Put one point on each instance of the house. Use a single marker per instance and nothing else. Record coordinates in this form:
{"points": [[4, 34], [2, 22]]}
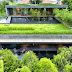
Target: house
{"points": [[24, 10]]}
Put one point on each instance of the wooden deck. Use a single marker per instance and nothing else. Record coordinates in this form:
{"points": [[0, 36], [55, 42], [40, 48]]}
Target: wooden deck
{"points": [[27, 15]]}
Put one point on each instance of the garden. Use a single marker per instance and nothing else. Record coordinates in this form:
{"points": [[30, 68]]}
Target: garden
{"points": [[62, 62], [34, 29]]}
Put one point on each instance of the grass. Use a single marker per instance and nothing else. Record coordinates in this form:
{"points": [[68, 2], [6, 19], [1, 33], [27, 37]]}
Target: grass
{"points": [[34, 29], [37, 4]]}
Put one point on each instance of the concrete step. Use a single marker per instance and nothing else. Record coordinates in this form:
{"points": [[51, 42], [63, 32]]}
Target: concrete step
{"points": [[8, 20]]}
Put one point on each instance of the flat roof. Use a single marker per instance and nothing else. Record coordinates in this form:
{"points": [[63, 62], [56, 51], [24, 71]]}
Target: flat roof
{"points": [[41, 39], [43, 6]]}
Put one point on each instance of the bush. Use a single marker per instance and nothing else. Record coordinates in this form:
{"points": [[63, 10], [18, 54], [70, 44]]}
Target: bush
{"points": [[23, 69], [1, 66], [11, 62], [64, 15], [29, 59], [44, 14], [67, 68], [35, 14], [63, 57], [45, 65]]}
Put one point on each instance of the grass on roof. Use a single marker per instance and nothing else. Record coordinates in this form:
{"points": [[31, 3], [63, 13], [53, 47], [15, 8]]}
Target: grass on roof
{"points": [[34, 29], [37, 4]]}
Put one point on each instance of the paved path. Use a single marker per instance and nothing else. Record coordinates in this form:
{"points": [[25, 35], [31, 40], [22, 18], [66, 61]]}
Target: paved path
{"points": [[20, 38]]}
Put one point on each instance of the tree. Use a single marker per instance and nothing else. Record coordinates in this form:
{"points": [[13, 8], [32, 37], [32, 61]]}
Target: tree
{"points": [[11, 0], [29, 59], [69, 3], [45, 65], [44, 14], [10, 61], [23, 69], [64, 15], [68, 68], [2, 6], [5, 3], [35, 1], [63, 57], [38, 16], [35, 14]]}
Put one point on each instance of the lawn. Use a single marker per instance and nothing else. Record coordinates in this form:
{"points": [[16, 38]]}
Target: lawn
{"points": [[34, 29], [41, 4]]}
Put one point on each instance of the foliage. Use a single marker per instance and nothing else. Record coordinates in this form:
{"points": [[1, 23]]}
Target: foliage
{"points": [[29, 59], [44, 14], [69, 3], [5, 3], [67, 68], [64, 15], [1, 66], [40, 4], [45, 65], [38, 15], [35, 1], [48, 13], [63, 57], [11, 0], [35, 14], [10, 61], [2, 7], [23, 69]]}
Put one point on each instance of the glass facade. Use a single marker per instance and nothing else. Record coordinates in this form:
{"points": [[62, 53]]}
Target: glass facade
{"points": [[26, 11]]}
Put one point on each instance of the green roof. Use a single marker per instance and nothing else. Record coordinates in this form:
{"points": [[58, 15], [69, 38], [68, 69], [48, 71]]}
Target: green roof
{"points": [[37, 4]]}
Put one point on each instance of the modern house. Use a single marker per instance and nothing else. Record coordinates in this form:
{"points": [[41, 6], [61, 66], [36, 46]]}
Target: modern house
{"points": [[22, 10]]}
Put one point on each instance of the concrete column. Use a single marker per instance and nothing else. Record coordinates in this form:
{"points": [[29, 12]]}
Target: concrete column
{"points": [[0, 46], [7, 11], [66, 7], [25, 11]]}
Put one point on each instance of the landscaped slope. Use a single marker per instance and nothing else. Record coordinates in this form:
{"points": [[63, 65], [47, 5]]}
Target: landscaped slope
{"points": [[34, 29]]}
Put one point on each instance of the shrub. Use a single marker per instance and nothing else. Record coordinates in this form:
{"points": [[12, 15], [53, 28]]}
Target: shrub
{"points": [[45, 65], [11, 62], [23, 69], [64, 15], [67, 68], [63, 57], [1, 66], [29, 60], [44, 14]]}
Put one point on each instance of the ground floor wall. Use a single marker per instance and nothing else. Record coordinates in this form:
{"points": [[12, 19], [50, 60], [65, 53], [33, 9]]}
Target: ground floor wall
{"points": [[41, 50]]}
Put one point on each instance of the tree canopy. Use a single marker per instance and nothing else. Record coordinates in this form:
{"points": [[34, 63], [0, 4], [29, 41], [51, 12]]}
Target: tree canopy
{"points": [[45, 65], [35, 1], [63, 57], [69, 3]]}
